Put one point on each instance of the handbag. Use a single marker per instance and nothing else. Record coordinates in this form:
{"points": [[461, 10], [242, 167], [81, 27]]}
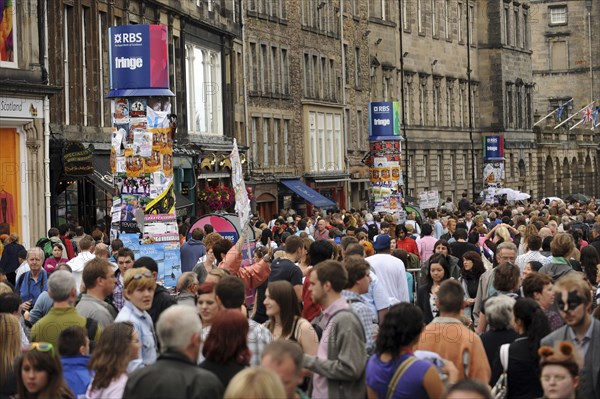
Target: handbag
{"points": [[500, 390], [486, 262], [402, 368]]}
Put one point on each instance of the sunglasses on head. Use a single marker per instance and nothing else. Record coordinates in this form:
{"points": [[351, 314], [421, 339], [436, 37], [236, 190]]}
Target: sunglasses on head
{"points": [[140, 275], [42, 347]]}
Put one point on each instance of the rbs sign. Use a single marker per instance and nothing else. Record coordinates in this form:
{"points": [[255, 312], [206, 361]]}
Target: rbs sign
{"points": [[384, 120], [139, 59], [493, 148]]}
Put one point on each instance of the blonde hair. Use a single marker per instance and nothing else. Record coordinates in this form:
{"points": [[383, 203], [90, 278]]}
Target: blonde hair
{"points": [[131, 285], [10, 344], [502, 232], [5, 289], [255, 383]]}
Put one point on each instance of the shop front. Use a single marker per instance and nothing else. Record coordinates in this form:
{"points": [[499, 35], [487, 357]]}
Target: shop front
{"points": [[22, 206]]}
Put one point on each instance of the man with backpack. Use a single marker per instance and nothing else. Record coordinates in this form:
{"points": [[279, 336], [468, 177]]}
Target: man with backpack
{"points": [[47, 243], [339, 365]]}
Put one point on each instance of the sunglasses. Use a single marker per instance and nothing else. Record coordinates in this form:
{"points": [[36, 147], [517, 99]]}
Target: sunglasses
{"points": [[42, 347], [140, 275]]}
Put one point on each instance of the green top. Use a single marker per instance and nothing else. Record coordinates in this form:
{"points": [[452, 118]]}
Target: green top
{"points": [[49, 327]]}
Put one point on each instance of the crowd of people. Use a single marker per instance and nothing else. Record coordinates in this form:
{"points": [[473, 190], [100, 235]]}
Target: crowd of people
{"points": [[469, 301]]}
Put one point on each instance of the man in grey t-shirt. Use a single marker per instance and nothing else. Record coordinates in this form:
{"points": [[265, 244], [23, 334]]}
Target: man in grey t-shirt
{"points": [[99, 280]]}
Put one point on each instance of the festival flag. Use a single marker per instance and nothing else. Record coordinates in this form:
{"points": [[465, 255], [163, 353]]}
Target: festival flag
{"points": [[587, 114], [558, 111], [595, 117], [242, 202]]}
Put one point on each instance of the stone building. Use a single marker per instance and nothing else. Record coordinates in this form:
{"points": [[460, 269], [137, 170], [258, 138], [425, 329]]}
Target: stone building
{"points": [[463, 71], [566, 70], [201, 65], [307, 93], [24, 103]]}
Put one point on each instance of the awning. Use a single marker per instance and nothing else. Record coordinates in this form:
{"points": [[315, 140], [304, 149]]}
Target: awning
{"points": [[102, 176], [308, 193], [183, 206]]}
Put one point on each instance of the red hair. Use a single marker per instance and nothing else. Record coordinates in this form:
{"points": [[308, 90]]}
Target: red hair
{"points": [[206, 288], [226, 341]]}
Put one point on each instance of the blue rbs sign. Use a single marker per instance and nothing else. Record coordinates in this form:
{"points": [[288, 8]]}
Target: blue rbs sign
{"points": [[139, 60], [384, 119]]}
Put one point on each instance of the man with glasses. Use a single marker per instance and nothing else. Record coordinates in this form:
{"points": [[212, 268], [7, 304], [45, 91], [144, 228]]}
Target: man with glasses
{"points": [[574, 301], [505, 253], [99, 280]]}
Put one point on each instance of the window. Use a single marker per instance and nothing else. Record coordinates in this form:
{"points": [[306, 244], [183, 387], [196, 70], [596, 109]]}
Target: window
{"points": [[438, 167], [286, 143], [408, 98], [274, 71], [528, 107], [506, 25], [517, 40], [405, 15], [276, 149], [386, 88], [254, 138], [285, 72], [449, 103], [434, 25], [459, 20], [437, 101], [447, 19], [451, 167], [525, 31], [205, 108], [357, 67], [325, 140], [253, 67], [264, 64], [509, 105], [420, 16], [558, 15], [559, 56], [266, 142], [464, 168], [425, 165], [422, 100], [519, 107], [410, 166], [461, 103], [346, 64], [379, 9], [359, 131], [307, 78], [471, 24]]}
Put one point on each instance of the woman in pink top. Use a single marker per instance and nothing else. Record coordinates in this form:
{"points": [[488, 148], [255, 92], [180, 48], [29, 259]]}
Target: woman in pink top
{"points": [[56, 258], [118, 345], [426, 243]]}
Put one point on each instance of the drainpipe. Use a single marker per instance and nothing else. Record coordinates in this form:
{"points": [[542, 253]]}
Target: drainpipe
{"points": [[46, 126], [245, 88]]}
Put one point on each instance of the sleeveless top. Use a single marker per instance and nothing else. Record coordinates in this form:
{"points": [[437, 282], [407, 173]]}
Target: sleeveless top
{"points": [[410, 386]]}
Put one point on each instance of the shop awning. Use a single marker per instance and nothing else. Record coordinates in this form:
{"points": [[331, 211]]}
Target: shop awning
{"points": [[102, 176], [183, 206], [308, 193]]}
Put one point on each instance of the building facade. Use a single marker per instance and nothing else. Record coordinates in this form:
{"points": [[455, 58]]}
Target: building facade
{"points": [[566, 71], [200, 43], [307, 93], [25, 91]]}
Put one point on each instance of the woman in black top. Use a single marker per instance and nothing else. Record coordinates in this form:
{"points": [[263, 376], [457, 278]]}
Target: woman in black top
{"points": [[226, 350], [523, 359], [437, 271], [469, 278]]}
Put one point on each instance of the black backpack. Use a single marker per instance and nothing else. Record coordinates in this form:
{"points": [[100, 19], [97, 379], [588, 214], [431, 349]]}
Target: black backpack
{"points": [[91, 326]]}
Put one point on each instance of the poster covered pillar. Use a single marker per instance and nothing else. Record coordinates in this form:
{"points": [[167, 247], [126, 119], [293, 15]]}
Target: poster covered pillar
{"points": [[143, 127], [385, 157], [493, 167]]}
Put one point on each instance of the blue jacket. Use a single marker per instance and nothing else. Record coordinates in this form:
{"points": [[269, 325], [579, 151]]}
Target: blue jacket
{"points": [[76, 373], [191, 251]]}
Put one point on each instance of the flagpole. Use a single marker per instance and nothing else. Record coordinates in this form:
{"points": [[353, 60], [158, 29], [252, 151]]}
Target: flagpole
{"points": [[545, 117], [572, 116], [577, 124]]}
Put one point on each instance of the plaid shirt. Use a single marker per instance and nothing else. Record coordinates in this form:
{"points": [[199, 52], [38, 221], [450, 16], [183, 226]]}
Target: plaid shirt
{"points": [[258, 337], [366, 316], [118, 300]]}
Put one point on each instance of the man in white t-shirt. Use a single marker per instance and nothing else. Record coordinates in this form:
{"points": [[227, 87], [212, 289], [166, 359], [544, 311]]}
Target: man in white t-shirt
{"points": [[389, 269]]}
